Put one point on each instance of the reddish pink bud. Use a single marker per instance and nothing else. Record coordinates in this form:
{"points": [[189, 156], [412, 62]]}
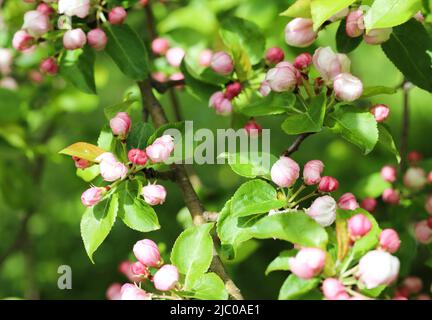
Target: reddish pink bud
{"points": [[49, 66], [308, 263], [114, 292], [355, 24], [415, 178], [147, 252], [428, 204], [138, 269], [328, 184], [125, 268], [330, 64], [358, 226], [378, 268], [283, 77], [412, 284], [429, 177], [222, 105], [45, 9], [253, 128], [265, 88], [303, 61], [414, 157], [348, 202], [74, 39], [369, 204], [380, 112], [347, 87], [81, 163], [160, 150], [285, 172], [233, 90], [97, 39], [166, 278], [160, 46], [143, 2], [333, 289], [312, 172], [121, 124], [391, 196], [35, 76], [377, 36], [154, 194], [36, 23], [423, 232], [222, 63], [323, 210], [117, 15], [175, 56], [132, 292], [137, 156], [274, 55], [22, 40], [92, 196], [429, 222], [389, 173], [205, 58], [299, 32]]}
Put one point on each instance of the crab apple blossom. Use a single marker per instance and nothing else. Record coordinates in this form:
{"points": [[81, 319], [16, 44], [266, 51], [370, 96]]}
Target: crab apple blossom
{"points": [[138, 268], [299, 32], [74, 39], [97, 39], [154, 194], [120, 124], [414, 157], [160, 46], [205, 58], [330, 64], [347, 87], [377, 36], [333, 289], [92, 196], [117, 15], [308, 263], [79, 8], [166, 278], [378, 268], [114, 292], [274, 55], [81, 163], [147, 252], [303, 61], [355, 24], [232, 90], [391, 196], [45, 9], [389, 173], [222, 63], [283, 77], [358, 226], [137, 156], [369, 204], [323, 210], [175, 56], [312, 172], [49, 66], [415, 178], [161, 149], [132, 292], [265, 88], [328, 184], [412, 284], [110, 168], [285, 172], [22, 40], [423, 232], [6, 60], [348, 202], [36, 23], [253, 128], [381, 112], [428, 204]]}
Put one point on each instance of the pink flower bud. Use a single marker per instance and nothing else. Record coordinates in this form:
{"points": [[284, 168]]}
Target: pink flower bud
{"points": [[175, 56], [389, 173], [8, 83], [253, 128], [166, 278], [412, 284], [159, 76], [299, 33], [274, 55], [348, 202], [110, 168], [143, 2], [285, 172], [429, 222], [419, 17], [323, 210], [74, 39], [120, 124], [355, 24], [35, 76], [161, 149], [36, 23], [97, 39], [147, 252], [160, 46], [92, 196], [49, 66], [154, 194], [222, 63], [114, 292], [205, 58], [6, 60], [283, 77], [177, 77], [330, 64], [380, 112], [22, 40], [369, 204], [233, 90], [358, 226], [132, 292], [428, 204], [391, 196], [303, 61], [265, 88], [429, 177], [333, 289], [81, 163], [328, 184], [423, 232], [312, 172], [224, 108], [415, 178], [117, 15], [377, 36], [137, 156], [45, 9], [125, 267], [414, 157], [79, 8], [308, 263], [378, 268], [347, 87], [138, 269]]}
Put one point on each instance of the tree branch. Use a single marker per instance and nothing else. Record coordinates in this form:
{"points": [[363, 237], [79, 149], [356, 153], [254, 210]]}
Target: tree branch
{"points": [[163, 87], [296, 144]]}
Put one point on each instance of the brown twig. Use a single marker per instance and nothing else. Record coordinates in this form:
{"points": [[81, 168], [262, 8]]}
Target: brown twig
{"points": [[406, 86], [163, 87], [296, 144]]}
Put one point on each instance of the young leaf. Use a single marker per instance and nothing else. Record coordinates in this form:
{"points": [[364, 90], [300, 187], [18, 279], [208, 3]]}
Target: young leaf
{"points": [[139, 134], [299, 9], [88, 174], [96, 224], [209, 287], [371, 186], [344, 43], [83, 150], [322, 10], [377, 90], [274, 103], [280, 263], [246, 165], [196, 86], [111, 111], [387, 142], [294, 287], [192, 253]]}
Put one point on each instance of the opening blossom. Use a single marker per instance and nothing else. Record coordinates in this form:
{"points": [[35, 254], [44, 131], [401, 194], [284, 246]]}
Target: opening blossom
{"points": [[285, 172], [166, 278], [308, 263], [79, 8], [312, 172], [147, 252], [111, 169], [154, 194], [323, 210], [378, 268]]}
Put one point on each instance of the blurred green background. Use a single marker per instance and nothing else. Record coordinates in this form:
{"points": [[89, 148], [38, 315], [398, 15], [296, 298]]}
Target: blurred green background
{"points": [[54, 237]]}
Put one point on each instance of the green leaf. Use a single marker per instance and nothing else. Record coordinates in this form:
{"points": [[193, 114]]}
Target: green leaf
{"points": [[344, 43], [294, 287], [255, 196], [106, 139], [377, 90], [196, 86], [387, 142], [371, 186], [299, 9], [10, 106], [77, 66], [246, 165], [408, 49], [111, 111], [127, 50], [139, 135], [274, 103], [134, 211], [88, 174], [280, 263], [96, 224], [390, 13], [209, 287], [309, 120], [242, 63], [192, 253], [359, 128], [322, 10]]}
